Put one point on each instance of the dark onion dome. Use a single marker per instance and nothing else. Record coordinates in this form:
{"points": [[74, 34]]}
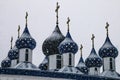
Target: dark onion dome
{"points": [[68, 45], [50, 45], [6, 63], [108, 49], [13, 53], [93, 60], [44, 64], [81, 66], [26, 41]]}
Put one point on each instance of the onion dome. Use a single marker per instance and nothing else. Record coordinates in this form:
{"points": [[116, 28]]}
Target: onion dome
{"points": [[81, 64], [93, 59], [26, 41], [13, 53], [68, 45], [44, 64], [108, 49], [6, 63], [50, 45]]}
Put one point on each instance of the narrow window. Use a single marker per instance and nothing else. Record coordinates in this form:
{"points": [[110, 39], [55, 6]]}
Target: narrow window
{"points": [[26, 55], [58, 61], [95, 69], [17, 61], [111, 66], [70, 59]]}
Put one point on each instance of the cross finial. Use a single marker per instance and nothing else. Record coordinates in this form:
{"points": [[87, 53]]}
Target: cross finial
{"points": [[56, 10], [81, 47], [26, 17], [93, 40], [18, 31], [11, 42], [68, 21], [107, 25]]}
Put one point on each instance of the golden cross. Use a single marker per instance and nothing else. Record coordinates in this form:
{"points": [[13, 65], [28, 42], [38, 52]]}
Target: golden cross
{"points": [[107, 25], [11, 41], [93, 40], [26, 17], [68, 22], [18, 31], [56, 10], [81, 47]]}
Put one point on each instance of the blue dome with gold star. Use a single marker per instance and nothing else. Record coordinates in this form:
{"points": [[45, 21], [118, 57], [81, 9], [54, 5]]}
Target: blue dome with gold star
{"points": [[93, 60], [108, 49], [26, 41], [13, 53], [6, 63], [68, 45]]}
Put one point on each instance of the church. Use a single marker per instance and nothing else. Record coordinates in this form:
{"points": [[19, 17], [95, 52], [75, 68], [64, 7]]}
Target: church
{"points": [[59, 61]]}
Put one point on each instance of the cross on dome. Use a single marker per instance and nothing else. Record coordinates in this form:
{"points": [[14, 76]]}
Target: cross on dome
{"points": [[26, 17], [18, 31], [93, 40], [11, 42], [81, 47], [106, 27], [68, 21], [56, 10]]}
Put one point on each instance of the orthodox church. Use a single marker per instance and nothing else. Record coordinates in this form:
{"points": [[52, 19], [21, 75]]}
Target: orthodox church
{"points": [[59, 61]]}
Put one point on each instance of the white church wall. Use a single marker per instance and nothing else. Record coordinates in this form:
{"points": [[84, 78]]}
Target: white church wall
{"points": [[19, 77], [107, 63], [52, 62], [22, 55], [66, 59]]}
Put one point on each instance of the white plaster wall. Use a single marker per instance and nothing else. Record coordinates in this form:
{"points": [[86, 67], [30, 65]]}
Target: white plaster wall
{"points": [[14, 63], [66, 59], [52, 62], [93, 72], [19, 77], [106, 62], [22, 55]]}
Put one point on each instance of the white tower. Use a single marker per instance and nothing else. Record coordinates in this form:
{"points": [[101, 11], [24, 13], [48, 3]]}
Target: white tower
{"points": [[68, 48], [25, 44], [108, 53], [93, 62], [50, 46]]}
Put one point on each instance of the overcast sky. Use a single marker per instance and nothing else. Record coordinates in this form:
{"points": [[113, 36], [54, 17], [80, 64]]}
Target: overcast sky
{"points": [[87, 17]]}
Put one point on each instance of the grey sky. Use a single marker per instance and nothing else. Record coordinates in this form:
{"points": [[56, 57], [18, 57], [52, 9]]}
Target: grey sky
{"points": [[87, 17]]}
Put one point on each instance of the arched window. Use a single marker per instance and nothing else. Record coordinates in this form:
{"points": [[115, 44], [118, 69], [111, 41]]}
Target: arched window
{"points": [[17, 61], [111, 66], [58, 63], [26, 55]]}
